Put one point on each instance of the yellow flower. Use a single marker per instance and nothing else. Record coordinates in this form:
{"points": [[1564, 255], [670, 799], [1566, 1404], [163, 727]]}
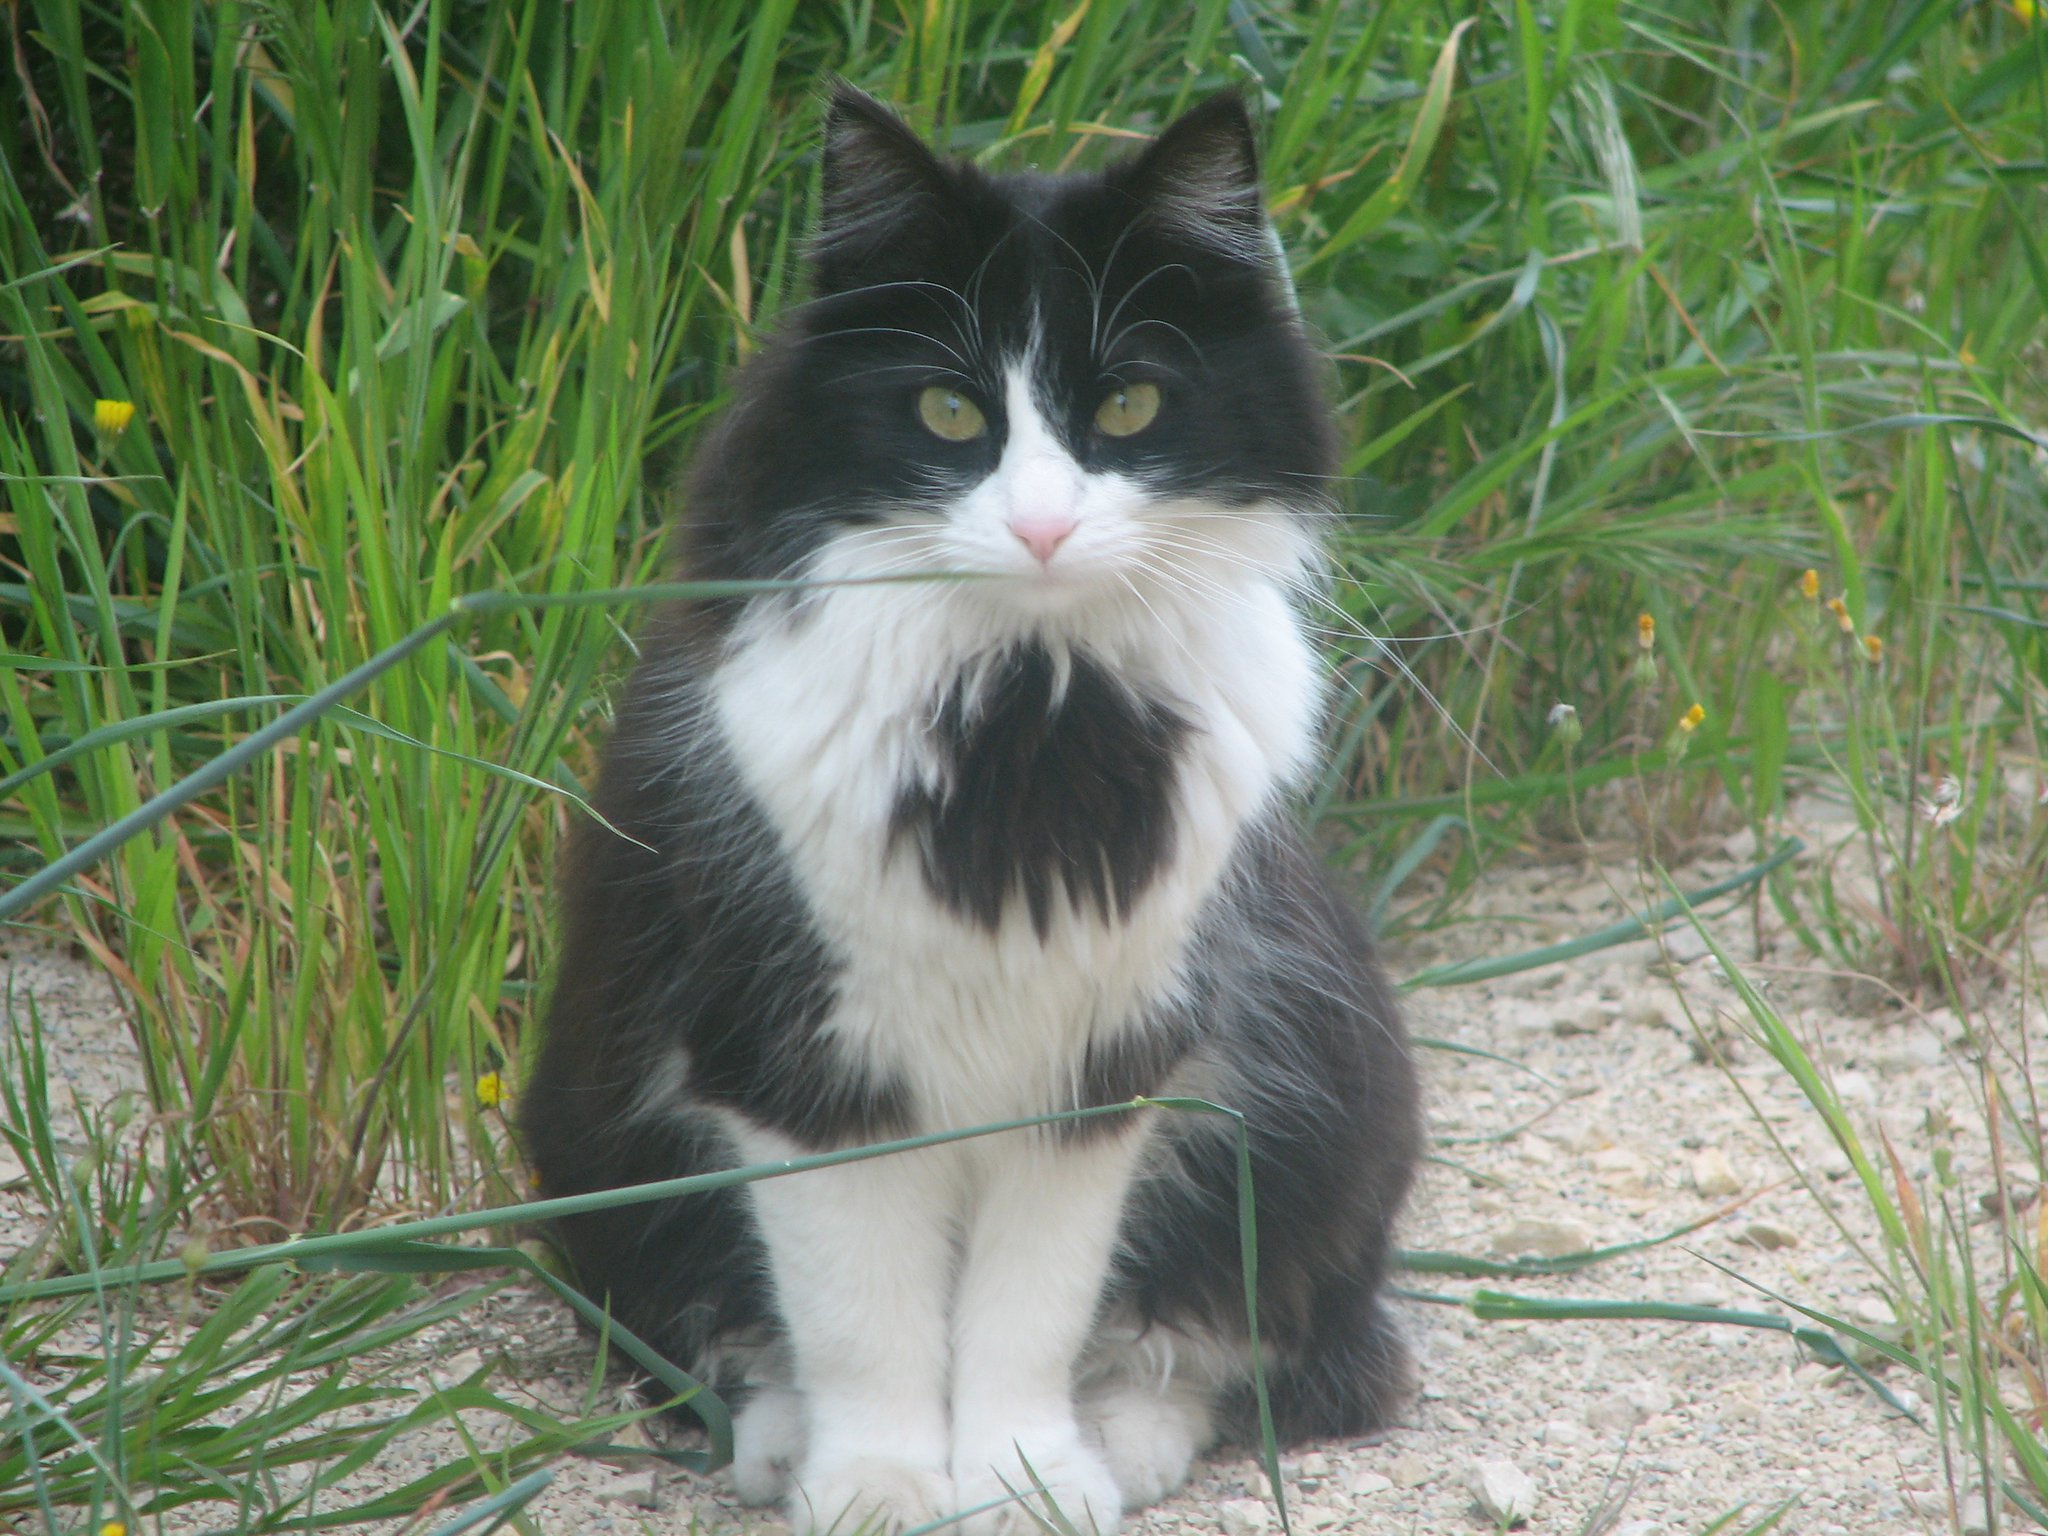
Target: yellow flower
{"points": [[1809, 585], [1840, 610], [114, 1527], [112, 417], [490, 1090], [1690, 720], [1873, 648], [1646, 630]]}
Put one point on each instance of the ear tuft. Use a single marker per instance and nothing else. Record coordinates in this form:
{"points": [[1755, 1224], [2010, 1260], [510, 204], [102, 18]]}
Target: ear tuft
{"points": [[1200, 178], [880, 182]]}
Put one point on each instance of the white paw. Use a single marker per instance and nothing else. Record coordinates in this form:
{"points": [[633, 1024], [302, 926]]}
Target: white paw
{"points": [[1059, 1483], [868, 1494], [1148, 1438], [767, 1444]]}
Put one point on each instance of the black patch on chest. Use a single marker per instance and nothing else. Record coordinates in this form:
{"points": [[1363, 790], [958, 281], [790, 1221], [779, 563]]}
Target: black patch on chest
{"points": [[1038, 796]]}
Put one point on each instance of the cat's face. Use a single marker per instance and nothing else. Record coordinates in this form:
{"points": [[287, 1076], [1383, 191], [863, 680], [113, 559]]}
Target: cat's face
{"points": [[1092, 387]]}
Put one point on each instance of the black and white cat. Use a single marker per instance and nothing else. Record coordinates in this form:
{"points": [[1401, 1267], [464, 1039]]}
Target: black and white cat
{"points": [[910, 856]]}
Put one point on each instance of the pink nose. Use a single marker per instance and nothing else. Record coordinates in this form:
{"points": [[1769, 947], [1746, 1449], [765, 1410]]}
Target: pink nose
{"points": [[1043, 532]]}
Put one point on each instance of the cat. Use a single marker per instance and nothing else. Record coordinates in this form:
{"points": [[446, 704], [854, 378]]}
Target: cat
{"points": [[890, 857]]}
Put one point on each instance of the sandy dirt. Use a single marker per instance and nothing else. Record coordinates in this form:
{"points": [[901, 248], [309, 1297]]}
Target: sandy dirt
{"points": [[1610, 1121]]}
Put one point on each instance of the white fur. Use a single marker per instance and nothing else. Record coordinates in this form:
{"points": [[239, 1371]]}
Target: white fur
{"points": [[937, 1302]]}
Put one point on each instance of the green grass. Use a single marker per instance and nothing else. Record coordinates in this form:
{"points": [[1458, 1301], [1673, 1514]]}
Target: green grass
{"points": [[1637, 308]]}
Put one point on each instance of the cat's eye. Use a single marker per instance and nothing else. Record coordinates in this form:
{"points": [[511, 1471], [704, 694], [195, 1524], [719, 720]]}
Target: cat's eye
{"points": [[1127, 410], [949, 414]]}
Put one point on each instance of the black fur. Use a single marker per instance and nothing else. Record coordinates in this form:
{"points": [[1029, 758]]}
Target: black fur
{"points": [[1045, 791], [1303, 1039], [687, 947]]}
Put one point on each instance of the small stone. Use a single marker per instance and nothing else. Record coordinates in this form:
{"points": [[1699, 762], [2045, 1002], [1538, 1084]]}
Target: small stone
{"points": [[1682, 946], [642, 1490], [457, 1367], [1639, 1528], [1702, 1293], [1874, 1313], [1314, 1464], [1976, 1516], [1769, 1236], [1245, 1517], [1531, 1235], [1319, 1517], [1409, 1470], [1634, 1405], [1504, 1491], [1713, 1175], [1854, 1087], [1562, 1432], [1653, 1015], [2017, 1196], [1363, 1484], [1587, 1021]]}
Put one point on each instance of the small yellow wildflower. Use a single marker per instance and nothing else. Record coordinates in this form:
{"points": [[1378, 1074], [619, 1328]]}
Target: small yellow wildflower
{"points": [[1646, 630], [1809, 584], [1840, 610], [490, 1090], [1873, 647], [114, 1527], [112, 416], [1690, 720]]}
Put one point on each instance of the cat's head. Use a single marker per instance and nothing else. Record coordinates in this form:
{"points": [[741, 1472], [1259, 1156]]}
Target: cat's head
{"points": [[1093, 386]]}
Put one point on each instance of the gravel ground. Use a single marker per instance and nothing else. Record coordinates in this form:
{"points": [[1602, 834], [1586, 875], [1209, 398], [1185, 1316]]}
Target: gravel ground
{"points": [[1611, 1121]]}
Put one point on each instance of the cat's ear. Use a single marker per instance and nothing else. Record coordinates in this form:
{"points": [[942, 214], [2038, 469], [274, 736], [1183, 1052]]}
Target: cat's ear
{"points": [[883, 190], [1200, 180]]}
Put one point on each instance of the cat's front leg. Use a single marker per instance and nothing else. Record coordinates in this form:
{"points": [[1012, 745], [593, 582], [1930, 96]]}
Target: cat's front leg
{"points": [[1038, 1250], [862, 1257]]}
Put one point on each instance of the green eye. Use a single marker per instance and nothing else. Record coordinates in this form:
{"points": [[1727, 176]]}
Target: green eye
{"points": [[1128, 410], [949, 414]]}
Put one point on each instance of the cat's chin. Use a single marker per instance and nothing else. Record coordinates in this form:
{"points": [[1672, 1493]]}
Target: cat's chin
{"points": [[1062, 591]]}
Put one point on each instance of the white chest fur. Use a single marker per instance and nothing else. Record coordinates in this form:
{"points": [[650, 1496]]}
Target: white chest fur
{"points": [[828, 714]]}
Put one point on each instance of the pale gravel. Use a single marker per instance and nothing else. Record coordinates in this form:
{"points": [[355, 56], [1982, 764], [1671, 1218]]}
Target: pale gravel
{"points": [[1667, 1425]]}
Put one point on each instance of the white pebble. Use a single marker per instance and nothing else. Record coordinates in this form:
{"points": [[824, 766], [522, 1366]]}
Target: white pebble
{"points": [[1409, 1470], [1544, 1239], [1245, 1517], [1769, 1235], [1504, 1491], [1713, 1175], [1363, 1484]]}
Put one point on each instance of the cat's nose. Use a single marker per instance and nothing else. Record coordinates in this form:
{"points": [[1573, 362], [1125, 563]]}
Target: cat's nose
{"points": [[1043, 532]]}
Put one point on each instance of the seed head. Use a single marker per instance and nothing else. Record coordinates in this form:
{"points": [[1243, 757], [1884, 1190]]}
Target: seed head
{"points": [[1690, 720], [1873, 647], [1809, 584], [1646, 630]]}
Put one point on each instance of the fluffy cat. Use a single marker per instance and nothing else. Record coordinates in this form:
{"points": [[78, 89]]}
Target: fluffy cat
{"points": [[911, 856]]}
